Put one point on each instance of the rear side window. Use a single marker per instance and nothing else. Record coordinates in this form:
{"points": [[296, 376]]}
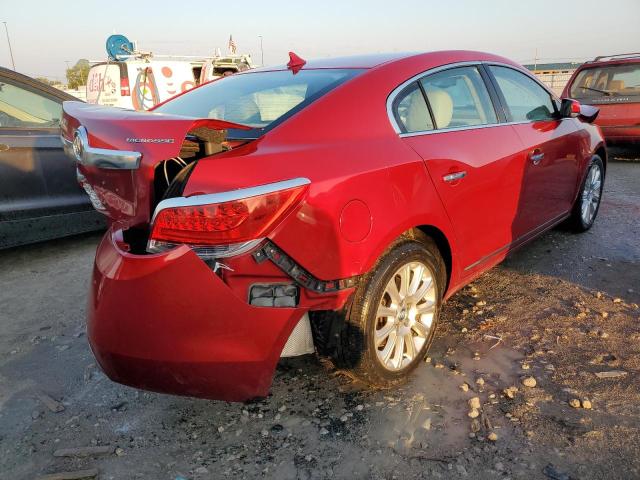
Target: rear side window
{"points": [[612, 83], [459, 98], [257, 99], [410, 110], [525, 99]]}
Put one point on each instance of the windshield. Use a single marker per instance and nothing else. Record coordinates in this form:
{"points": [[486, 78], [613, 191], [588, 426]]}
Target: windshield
{"points": [[613, 83], [260, 99]]}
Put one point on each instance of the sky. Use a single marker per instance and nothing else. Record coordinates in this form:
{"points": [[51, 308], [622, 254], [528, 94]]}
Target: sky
{"points": [[45, 34]]}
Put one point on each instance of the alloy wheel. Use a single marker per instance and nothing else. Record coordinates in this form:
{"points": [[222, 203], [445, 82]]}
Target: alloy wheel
{"points": [[591, 194], [405, 315]]}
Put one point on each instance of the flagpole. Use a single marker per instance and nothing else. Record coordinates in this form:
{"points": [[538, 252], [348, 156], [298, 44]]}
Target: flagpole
{"points": [[9, 42]]}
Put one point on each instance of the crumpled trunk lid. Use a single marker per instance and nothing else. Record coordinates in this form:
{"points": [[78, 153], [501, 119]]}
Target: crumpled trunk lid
{"points": [[117, 152]]}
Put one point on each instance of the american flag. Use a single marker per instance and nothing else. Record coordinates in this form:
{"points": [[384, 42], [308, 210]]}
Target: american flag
{"points": [[232, 45]]}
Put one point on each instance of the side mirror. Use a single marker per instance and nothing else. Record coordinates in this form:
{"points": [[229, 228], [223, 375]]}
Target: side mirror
{"points": [[571, 108]]}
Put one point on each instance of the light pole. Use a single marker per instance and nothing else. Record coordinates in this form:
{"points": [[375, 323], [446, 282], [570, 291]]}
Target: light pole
{"points": [[9, 42], [261, 52]]}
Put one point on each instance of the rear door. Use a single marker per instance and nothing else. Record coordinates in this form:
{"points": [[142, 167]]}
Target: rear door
{"points": [[551, 145], [474, 160]]}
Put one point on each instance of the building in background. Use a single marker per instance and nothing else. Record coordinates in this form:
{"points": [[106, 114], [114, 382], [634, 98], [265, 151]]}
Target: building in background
{"points": [[80, 93], [554, 75]]}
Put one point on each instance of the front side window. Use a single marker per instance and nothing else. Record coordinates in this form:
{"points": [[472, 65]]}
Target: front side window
{"points": [[525, 99], [257, 99], [410, 110], [459, 98], [22, 108], [607, 84]]}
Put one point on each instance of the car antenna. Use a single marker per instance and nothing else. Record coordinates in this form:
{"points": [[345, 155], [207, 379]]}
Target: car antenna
{"points": [[295, 63]]}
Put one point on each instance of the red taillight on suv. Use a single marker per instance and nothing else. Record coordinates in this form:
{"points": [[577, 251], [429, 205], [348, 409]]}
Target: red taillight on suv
{"points": [[125, 91], [224, 224]]}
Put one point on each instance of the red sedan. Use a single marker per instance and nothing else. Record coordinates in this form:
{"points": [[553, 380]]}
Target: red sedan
{"points": [[328, 206]]}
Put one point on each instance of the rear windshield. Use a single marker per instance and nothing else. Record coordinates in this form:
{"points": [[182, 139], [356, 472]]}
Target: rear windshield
{"points": [[260, 100], [608, 84]]}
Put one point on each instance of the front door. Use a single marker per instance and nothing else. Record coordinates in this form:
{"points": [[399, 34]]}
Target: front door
{"points": [[36, 177], [551, 146]]}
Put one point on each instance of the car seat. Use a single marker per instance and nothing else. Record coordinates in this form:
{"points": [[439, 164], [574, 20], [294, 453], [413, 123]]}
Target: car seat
{"points": [[616, 85], [418, 119], [441, 106]]}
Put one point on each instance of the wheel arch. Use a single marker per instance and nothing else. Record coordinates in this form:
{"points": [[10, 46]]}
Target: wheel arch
{"points": [[439, 238], [601, 151], [441, 241]]}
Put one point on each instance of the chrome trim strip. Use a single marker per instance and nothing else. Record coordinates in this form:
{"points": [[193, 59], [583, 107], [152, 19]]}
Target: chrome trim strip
{"points": [[100, 157], [487, 257], [228, 196], [394, 93], [522, 239], [458, 129]]}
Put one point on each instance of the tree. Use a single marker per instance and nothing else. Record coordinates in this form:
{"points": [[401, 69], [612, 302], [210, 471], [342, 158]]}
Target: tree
{"points": [[77, 75], [46, 81]]}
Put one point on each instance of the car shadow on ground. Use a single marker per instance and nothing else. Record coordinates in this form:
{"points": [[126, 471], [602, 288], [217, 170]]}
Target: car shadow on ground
{"points": [[607, 257]]}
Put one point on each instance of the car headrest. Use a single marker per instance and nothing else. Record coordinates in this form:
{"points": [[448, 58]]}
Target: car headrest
{"points": [[441, 106], [417, 114], [244, 110], [616, 85]]}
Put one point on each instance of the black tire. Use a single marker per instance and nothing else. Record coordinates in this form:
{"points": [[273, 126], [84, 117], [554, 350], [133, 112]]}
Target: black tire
{"points": [[576, 221], [356, 350]]}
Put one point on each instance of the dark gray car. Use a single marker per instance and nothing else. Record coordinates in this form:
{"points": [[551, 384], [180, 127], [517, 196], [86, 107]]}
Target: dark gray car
{"points": [[40, 198]]}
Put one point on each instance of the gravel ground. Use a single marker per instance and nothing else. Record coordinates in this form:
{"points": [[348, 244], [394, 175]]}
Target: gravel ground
{"points": [[562, 311]]}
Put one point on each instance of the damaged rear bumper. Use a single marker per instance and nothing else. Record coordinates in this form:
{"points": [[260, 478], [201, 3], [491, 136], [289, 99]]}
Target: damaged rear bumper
{"points": [[167, 323]]}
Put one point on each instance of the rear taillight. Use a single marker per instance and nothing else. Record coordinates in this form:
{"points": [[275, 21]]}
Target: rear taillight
{"points": [[224, 224], [125, 91]]}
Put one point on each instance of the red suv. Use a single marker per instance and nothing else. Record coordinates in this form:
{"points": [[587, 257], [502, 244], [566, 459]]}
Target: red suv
{"points": [[612, 83], [330, 206]]}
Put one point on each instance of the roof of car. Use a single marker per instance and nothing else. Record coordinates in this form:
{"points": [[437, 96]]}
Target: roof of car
{"points": [[25, 79], [378, 59], [352, 61], [613, 59]]}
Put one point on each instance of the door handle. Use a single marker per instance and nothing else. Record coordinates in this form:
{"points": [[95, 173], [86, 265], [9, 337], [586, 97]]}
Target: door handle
{"points": [[4, 147], [536, 156], [454, 177]]}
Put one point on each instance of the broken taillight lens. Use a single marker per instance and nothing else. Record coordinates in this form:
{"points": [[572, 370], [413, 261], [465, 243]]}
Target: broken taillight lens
{"points": [[222, 228]]}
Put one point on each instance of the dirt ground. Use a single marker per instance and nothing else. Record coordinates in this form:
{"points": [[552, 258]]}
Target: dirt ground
{"points": [[562, 310]]}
